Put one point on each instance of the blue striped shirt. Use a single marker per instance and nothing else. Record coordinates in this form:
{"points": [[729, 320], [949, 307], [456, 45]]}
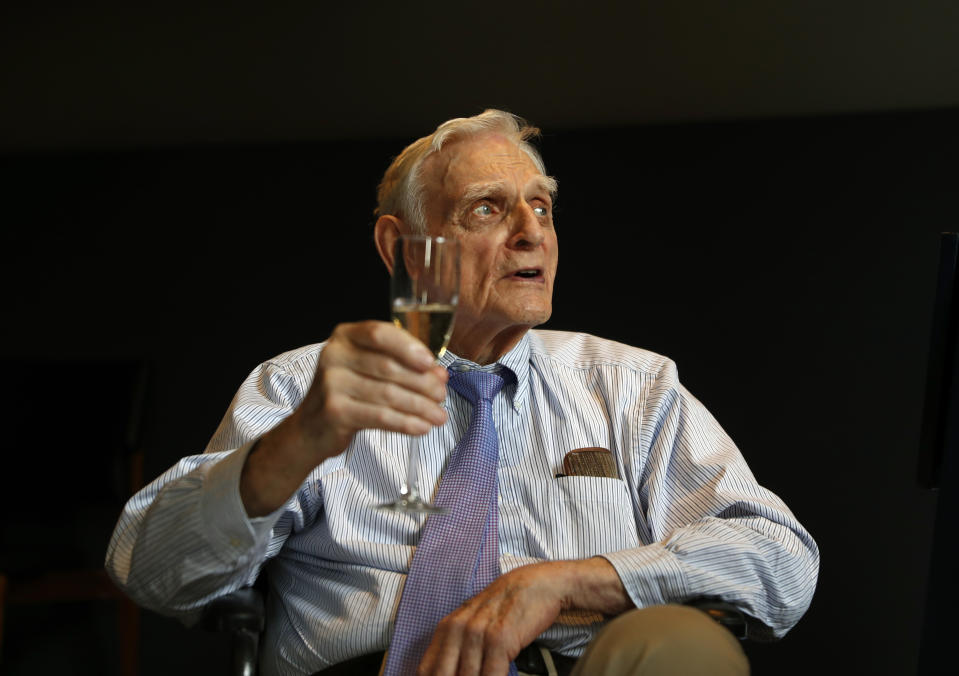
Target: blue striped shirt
{"points": [[684, 518]]}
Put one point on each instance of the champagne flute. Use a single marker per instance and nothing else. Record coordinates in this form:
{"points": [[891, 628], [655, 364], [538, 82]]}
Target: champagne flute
{"points": [[424, 290]]}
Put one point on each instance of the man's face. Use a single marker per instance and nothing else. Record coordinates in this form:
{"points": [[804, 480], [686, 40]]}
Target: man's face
{"points": [[488, 194]]}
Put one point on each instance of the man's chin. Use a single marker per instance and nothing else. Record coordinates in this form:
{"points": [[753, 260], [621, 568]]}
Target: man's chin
{"points": [[532, 317], [496, 320]]}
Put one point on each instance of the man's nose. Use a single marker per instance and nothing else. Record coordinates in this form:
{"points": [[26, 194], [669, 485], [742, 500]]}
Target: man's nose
{"points": [[528, 231]]}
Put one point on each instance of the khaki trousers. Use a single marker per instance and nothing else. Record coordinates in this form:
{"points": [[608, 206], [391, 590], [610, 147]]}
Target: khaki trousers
{"points": [[661, 640]]}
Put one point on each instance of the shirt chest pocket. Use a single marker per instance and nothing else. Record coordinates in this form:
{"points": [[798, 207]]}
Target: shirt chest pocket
{"points": [[570, 517]]}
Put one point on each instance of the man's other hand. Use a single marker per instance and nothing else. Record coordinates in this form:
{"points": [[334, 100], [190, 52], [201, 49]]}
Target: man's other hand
{"points": [[488, 631], [369, 375]]}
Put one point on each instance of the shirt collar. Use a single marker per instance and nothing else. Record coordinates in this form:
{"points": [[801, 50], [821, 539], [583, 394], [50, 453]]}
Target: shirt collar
{"points": [[512, 366]]}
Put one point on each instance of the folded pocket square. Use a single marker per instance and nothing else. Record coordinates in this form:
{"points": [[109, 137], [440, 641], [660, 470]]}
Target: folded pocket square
{"points": [[592, 461]]}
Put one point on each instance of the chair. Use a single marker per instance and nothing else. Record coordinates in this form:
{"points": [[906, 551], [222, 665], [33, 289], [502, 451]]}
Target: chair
{"points": [[77, 428], [242, 614]]}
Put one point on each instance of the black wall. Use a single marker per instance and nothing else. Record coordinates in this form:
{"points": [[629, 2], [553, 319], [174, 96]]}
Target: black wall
{"points": [[787, 266]]}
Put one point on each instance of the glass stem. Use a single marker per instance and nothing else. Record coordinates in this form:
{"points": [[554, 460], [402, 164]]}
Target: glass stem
{"points": [[411, 491]]}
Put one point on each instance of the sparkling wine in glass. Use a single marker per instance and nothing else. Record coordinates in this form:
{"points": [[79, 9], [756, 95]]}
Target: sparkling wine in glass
{"points": [[432, 323], [424, 290]]}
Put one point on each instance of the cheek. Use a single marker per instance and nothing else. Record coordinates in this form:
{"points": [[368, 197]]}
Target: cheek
{"points": [[472, 280], [475, 272]]}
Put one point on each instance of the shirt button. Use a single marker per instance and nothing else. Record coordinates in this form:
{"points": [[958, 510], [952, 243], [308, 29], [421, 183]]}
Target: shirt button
{"points": [[235, 542]]}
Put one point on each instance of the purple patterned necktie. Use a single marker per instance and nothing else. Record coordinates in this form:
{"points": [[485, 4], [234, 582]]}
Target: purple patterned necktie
{"points": [[458, 553]]}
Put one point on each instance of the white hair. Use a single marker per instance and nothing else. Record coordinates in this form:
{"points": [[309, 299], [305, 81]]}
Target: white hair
{"points": [[401, 192]]}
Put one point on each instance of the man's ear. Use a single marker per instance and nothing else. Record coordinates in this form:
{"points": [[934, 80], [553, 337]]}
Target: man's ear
{"points": [[387, 230]]}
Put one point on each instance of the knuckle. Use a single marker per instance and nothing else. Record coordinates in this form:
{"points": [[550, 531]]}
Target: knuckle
{"points": [[377, 331], [389, 368], [452, 623], [328, 354], [334, 352], [335, 407], [384, 418], [476, 629], [341, 331], [492, 633], [391, 395]]}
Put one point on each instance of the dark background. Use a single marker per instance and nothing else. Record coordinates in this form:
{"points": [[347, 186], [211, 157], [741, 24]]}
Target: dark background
{"points": [[754, 190]]}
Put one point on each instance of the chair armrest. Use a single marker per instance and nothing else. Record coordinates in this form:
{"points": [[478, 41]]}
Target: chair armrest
{"points": [[726, 614], [243, 616], [240, 610]]}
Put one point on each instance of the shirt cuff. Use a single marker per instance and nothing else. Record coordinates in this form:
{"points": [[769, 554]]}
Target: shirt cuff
{"points": [[651, 574], [224, 519]]}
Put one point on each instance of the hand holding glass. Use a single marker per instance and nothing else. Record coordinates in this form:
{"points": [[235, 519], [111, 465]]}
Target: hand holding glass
{"points": [[424, 291]]}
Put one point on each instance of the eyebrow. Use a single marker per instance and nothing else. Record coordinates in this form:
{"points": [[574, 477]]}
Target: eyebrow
{"points": [[549, 184], [476, 191]]}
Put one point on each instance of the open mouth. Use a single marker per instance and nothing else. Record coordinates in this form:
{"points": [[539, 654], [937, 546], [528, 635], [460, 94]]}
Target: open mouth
{"points": [[528, 273]]}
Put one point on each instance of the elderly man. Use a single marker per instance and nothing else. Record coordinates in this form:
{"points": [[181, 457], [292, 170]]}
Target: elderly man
{"points": [[589, 573]]}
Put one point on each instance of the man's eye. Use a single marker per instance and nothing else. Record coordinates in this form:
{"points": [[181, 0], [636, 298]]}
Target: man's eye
{"points": [[541, 211], [483, 210]]}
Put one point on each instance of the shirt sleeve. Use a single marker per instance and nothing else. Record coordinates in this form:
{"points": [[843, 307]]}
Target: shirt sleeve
{"points": [[185, 539], [716, 532]]}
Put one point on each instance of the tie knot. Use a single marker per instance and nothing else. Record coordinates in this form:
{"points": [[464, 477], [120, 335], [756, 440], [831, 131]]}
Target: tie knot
{"points": [[476, 385]]}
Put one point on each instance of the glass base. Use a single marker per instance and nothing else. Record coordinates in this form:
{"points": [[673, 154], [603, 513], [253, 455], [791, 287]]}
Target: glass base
{"points": [[412, 505]]}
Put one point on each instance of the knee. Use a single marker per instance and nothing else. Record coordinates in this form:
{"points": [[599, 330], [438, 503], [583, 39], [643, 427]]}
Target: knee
{"points": [[667, 639]]}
